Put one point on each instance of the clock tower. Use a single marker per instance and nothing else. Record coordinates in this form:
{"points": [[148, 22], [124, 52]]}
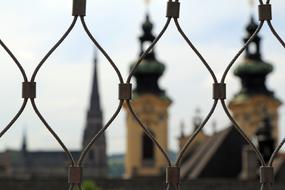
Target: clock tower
{"points": [[151, 104]]}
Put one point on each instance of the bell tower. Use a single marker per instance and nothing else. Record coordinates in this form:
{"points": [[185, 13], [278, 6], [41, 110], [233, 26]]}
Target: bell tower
{"points": [[249, 103], [151, 104]]}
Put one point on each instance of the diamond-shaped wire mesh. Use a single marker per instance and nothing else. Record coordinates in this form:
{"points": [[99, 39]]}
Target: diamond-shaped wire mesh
{"points": [[219, 94]]}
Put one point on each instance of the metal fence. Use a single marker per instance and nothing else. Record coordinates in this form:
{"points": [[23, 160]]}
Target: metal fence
{"points": [[125, 95]]}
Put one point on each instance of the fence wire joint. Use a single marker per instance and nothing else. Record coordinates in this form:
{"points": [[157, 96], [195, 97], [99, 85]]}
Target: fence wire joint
{"points": [[79, 8], [219, 91], [74, 175], [266, 175], [125, 91], [28, 90], [265, 12], [173, 175], [173, 9]]}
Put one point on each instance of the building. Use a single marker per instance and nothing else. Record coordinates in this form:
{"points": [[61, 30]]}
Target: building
{"points": [[24, 163], [226, 154], [151, 104]]}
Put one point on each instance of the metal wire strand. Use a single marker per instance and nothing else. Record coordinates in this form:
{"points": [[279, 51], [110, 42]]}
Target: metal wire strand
{"points": [[148, 133], [275, 33], [196, 132], [53, 49], [15, 118], [175, 187], [94, 139], [259, 156], [276, 152], [148, 50], [52, 132], [102, 50], [168, 187], [269, 186], [195, 50], [71, 186], [15, 60], [241, 51]]}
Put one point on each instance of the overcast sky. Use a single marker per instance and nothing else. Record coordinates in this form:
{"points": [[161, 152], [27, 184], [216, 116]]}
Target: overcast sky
{"points": [[31, 27]]}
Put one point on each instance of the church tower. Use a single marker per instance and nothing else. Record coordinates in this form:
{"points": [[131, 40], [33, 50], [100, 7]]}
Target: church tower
{"points": [[254, 98], [96, 160], [151, 104]]}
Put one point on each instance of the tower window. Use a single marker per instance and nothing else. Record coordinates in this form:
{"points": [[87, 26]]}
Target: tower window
{"points": [[147, 151]]}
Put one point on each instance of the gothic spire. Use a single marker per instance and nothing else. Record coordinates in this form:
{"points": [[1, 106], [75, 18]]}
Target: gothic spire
{"points": [[97, 157], [95, 106], [24, 141]]}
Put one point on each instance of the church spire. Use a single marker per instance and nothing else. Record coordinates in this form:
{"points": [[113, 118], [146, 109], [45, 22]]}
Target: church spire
{"points": [[253, 70], [96, 159], [150, 70], [253, 49], [95, 106], [24, 141]]}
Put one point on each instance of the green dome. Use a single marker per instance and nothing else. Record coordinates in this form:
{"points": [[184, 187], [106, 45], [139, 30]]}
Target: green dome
{"points": [[249, 67], [149, 66]]}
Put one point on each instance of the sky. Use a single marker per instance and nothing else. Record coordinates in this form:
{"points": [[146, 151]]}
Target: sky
{"points": [[30, 28]]}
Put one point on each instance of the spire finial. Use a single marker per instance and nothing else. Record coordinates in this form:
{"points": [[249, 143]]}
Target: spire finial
{"points": [[252, 4], [95, 55], [24, 140], [182, 128], [147, 2], [197, 120]]}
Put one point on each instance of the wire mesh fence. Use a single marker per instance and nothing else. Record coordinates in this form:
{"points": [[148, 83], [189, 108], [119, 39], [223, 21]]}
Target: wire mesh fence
{"points": [[125, 95]]}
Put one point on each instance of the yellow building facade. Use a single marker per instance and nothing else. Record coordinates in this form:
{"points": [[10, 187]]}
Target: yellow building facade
{"points": [[151, 104], [254, 101], [143, 158]]}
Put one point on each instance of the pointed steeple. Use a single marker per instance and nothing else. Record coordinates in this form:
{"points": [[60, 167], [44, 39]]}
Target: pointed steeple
{"points": [[197, 120], [24, 141], [96, 158], [95, 106]]}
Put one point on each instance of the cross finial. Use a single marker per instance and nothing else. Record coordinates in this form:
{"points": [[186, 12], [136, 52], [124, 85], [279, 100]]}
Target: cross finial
{"points": [[252, 3], [147, 2], [182, 128]]}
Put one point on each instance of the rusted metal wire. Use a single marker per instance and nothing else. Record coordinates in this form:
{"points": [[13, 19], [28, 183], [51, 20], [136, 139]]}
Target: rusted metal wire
{"points": [[219, 89]]}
